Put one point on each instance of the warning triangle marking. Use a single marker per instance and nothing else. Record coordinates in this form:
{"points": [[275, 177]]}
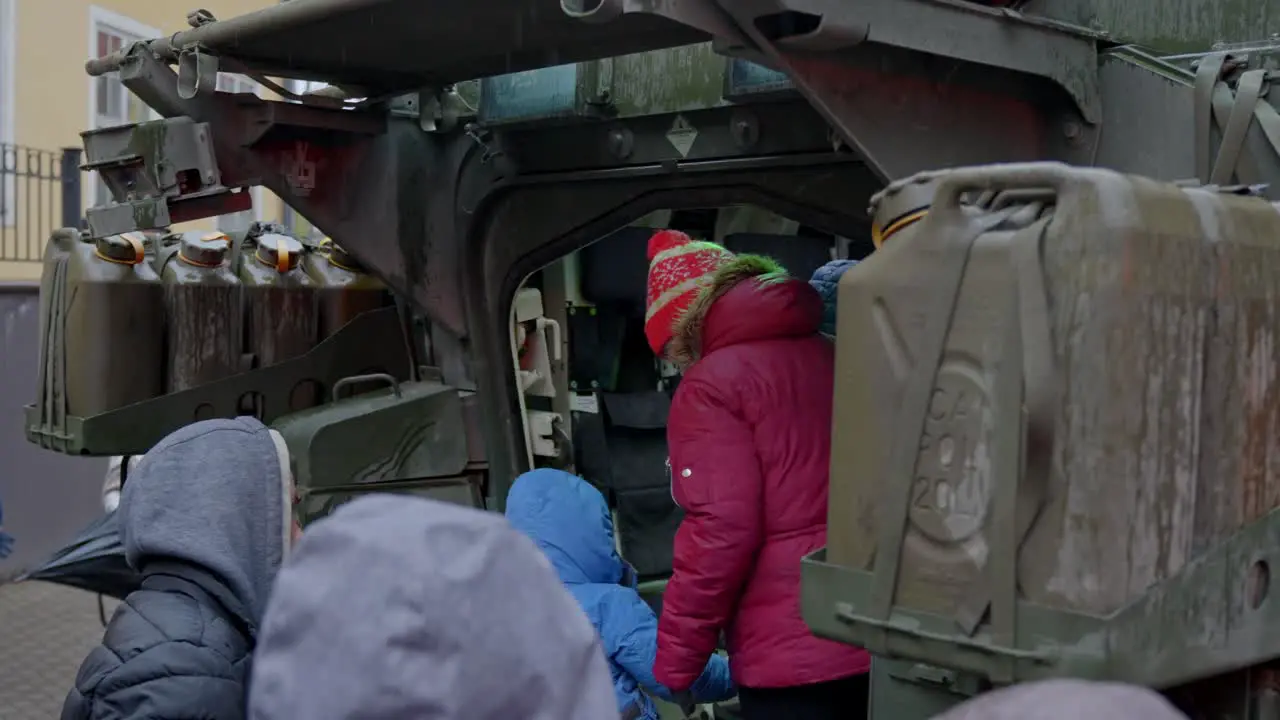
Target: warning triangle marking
{"points": [[681, 135]]}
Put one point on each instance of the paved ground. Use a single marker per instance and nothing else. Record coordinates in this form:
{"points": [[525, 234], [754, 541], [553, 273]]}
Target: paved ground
{"points": [[45, 631]]}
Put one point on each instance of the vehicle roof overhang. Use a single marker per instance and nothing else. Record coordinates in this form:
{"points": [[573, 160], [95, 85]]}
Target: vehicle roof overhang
{"points": [[394, 45]]}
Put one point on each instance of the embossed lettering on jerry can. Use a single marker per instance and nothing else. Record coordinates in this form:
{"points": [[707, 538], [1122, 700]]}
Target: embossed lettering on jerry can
{"points": [[1126, 323]]}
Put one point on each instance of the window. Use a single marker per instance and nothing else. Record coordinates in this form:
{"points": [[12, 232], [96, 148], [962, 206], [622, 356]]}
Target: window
{"points": [[239, 222], [110, 102]]}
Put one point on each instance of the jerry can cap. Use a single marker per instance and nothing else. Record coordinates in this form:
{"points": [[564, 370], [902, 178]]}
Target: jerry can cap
{"points": [[341, 259], [902, 203], [125, 249], [278, 251], [208, 250]]}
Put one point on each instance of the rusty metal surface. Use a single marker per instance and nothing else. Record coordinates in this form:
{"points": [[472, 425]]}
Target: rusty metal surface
{"points": [[884, 98], [45, 633]]}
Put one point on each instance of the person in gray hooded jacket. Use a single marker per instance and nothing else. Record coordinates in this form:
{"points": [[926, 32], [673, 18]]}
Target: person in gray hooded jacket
{"points": [[400, 608], [1066, 700], [205, 519]]}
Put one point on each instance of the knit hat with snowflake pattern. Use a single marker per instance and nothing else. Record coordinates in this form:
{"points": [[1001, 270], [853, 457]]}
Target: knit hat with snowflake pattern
{"points": [[679, 268]]}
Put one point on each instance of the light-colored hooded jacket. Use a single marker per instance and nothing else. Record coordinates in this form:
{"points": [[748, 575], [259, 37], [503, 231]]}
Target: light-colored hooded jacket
{"points": [[1066, 700], [400, 608]]}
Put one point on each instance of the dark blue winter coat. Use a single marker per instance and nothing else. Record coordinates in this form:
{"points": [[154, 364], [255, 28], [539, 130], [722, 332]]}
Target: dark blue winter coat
{"points": [[825, 280], [570, 522]]}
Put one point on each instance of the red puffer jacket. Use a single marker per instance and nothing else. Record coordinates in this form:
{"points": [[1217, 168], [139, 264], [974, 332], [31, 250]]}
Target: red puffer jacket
{"points": [[750, 442]]}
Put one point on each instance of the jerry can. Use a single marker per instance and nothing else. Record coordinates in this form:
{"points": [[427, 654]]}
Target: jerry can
{"points": [[280, 299], [203, 305], [114, 325], [51, 407], [1061, 388], [345, 287]]}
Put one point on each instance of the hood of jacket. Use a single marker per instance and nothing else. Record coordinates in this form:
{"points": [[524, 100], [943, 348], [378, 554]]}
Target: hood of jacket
{"points": [[215, 495], [826, 280], [1066, 700], [569, 521], [401, 608], [749, 299]]}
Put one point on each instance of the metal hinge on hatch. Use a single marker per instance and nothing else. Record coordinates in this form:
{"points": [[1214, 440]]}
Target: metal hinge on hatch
{"points": [[539, 342]]}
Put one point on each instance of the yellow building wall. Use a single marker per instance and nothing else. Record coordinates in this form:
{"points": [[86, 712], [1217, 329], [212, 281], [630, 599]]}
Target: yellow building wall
{"points": [[52, 96]]}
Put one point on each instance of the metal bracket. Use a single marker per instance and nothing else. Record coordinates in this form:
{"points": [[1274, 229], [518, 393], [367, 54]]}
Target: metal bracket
{"points": [[1227, 592], [1249, 123], [133, 429], [197, 72]]}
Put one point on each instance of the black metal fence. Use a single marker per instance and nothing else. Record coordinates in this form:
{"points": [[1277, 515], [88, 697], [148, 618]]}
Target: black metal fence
{"points": [[39, 192]]}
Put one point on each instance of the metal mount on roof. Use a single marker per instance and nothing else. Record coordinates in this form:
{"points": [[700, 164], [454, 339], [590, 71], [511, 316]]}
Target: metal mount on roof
{"points": [[197, 72], [159, 173], [440, 109]]}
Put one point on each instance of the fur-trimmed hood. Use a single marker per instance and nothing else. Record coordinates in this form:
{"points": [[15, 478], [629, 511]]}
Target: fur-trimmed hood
{"points": [[750, 298]]}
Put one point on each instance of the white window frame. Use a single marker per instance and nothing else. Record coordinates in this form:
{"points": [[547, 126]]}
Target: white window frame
{"points": [[8, 64], [102, 19]]}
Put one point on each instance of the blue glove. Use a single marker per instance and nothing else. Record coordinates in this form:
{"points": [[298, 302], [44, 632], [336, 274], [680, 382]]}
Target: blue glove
{"points": [[6, 540]]}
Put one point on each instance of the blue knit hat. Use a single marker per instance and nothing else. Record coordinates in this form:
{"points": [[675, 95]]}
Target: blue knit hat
{"points": [[825, 280]]}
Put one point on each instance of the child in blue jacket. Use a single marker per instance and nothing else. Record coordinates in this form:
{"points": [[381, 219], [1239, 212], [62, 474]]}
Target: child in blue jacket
{"points": [[826, 280], [570, 522]]}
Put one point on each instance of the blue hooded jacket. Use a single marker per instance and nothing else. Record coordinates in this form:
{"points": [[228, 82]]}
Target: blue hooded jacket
{"points": [[826, 281], [570, 522]]}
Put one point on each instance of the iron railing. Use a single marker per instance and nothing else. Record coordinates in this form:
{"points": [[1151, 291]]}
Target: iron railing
{"points": [[39, 192]]}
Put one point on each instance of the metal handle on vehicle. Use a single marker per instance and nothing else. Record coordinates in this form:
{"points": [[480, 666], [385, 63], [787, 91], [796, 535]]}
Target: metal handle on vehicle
{"points": [[1037, 175], [352, 380]]}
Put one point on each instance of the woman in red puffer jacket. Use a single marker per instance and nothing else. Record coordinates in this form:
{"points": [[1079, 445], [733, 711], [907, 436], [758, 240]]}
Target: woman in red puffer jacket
{"points": [[750, 442]]}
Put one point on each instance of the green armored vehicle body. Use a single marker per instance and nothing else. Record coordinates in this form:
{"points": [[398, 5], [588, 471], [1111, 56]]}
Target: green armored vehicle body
{"points": [[1053, 413]]}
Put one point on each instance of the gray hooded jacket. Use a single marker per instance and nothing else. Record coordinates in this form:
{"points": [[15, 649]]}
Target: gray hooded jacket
{"points": [[400, 608], [205, 520], [1066, 700]]}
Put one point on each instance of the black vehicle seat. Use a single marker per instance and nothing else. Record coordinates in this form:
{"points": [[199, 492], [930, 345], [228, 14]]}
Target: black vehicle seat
{"points": [[622, 448]]}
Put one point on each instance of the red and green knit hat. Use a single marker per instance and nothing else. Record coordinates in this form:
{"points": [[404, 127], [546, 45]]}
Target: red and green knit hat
{"points": [[679, 268]]}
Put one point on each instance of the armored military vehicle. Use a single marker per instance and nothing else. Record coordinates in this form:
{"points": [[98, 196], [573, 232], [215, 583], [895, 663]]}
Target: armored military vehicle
{"points": [[1056, 381]]}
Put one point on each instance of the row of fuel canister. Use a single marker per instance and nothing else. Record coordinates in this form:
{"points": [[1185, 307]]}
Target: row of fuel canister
{"points": [[150, 315]]}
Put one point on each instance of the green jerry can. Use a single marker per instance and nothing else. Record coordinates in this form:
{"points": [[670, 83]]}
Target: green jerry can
{"points": [[50, 407], [1047, 402], [344, 286], [280, 299], [281, 306], [203, 310], [411, 437], [114, 326]]}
